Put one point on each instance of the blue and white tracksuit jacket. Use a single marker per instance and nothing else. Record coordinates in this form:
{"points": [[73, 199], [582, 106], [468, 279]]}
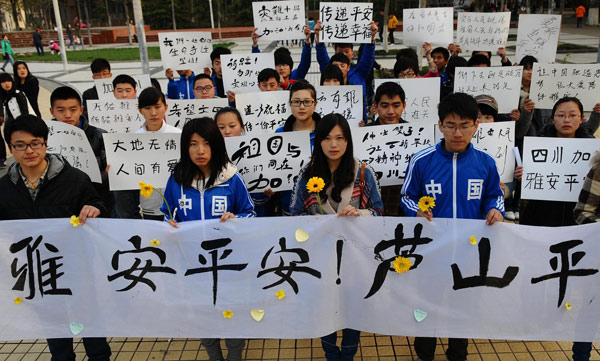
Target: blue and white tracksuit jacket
{"points": [[464, 185], [227, 194], [182, 88]]}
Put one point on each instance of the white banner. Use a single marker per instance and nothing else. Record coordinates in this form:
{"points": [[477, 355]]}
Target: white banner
{"points": [[181, 111], [240, 71], [279, 20], [263, 112], [143, 157], [537, 35], [115, 116], [482, 31], [346, 100], [501, 82], [104, 87], [388, 148], [252, 278], [433, 25], [346, 22], [269, 161], [422, 98], [185, 50], [554, 168], [71, 143], [551, 82], [497, 140]]}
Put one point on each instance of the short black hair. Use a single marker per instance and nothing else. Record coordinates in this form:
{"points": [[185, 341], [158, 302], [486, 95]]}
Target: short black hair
{"points": [[150, 96], [268, 73], [235, 112], [460, 104], [445, 53], [455, 62], [26, 123], [124, 79], [217, 52], [303, 84], [64, 93], [4, 77], [332, 72], [391, 89], [479, 59], [283, 58], [489, 53], [99, 64], [527, 61], [156, 84], [200, 76], [487, 110], [409, 53], [566, 100], [336, 46], [339, 57], [405, 63]]}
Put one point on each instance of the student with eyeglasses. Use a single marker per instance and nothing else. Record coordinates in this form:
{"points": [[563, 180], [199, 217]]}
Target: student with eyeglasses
{"points": [[464, 183], [303, 102], [203, 87], [40, 185]]}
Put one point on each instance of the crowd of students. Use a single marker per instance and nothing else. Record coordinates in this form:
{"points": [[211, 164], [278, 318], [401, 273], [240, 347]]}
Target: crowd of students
{"points": [[41, 185]]}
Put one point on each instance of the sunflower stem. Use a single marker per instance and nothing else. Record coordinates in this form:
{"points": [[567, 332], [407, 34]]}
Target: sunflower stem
{"points": [[320, 206]]}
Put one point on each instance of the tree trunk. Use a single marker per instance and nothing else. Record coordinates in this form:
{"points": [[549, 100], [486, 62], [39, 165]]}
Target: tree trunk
{"points": [[173, 15], [108, 13], [14, 5], [386, 11], [87, 23]]}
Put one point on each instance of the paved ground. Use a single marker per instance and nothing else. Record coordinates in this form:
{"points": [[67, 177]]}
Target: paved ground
{"points": [[372, 347]]}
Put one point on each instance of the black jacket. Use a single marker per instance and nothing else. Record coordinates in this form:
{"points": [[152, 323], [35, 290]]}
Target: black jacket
{"points": [[89, 94], [94, 136], [21, 102], [31, 88], [63, 193], [37, 38], [551, 213]]}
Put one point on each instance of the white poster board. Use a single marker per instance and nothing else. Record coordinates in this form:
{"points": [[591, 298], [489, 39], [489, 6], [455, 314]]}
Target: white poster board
{"points": [[433, 25], [346, 100], [501, 82], [279, 20], [181, 111], [140, 157], [104, 87], [482, 31], [269, 161], [346, 22], [71, 142], [422, 98], [537, 35], [554, 168], [240, 71], [115, 116], [388, 148], [185, 50], [263, 112], [550, 82]]}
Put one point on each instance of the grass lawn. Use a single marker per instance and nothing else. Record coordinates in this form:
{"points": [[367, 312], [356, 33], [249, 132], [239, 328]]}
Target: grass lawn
{"points": [[86, 56]]}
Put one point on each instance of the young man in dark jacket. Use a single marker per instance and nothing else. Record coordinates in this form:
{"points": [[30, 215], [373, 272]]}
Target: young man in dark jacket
{"points": [[65, 106], [40, 185]]}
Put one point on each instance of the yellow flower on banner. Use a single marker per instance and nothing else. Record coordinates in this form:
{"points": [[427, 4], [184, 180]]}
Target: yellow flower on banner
{"points": [[280, 294], [568, 306], [426, 203], [473, 240], [18, 300], [227, 314], [401, 264], [155, 243], [146, 189], [75, 221], [315, 184]]}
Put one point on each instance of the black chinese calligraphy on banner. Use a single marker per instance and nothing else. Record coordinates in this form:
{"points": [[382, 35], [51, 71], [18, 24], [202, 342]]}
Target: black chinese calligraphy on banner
{"points": [[346, 22], [279, 20], [185, 50], [482, 31], [432, 25], [115, 116], [181, 111], [263, 112]]}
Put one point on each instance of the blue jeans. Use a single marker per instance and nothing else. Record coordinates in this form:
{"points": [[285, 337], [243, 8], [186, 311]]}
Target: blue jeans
{"points": [[10, 59], [96, 349], [350, 339], [581, 351]]}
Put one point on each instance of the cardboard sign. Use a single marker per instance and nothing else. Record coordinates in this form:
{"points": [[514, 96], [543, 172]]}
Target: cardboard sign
{"points": [[346, 100], [537, 35], [482, 31], [185, 50], [501, 82], [115, 116], [181, 111], [279, 20], [240, 71], [346, 22], [432, 25], [263, 112], [422, 98]]}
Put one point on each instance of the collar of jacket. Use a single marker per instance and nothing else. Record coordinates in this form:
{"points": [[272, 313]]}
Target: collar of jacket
{"points": [[440, 148]]}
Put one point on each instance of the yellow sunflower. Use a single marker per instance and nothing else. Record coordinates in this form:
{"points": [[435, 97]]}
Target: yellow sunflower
{"points": [[155, 243], [426, 203], [75, 221], [280, 294], [401, 264], [18, 300], [315, 184], [146, 189], [227, 314]]}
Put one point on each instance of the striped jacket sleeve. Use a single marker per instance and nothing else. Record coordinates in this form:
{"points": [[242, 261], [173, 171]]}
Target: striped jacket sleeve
{"points": [[586, 210], [410, 192]]}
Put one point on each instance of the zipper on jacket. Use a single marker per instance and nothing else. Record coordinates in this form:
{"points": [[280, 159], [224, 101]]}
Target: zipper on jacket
{"points": [[454, 158], [202, 204]]}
